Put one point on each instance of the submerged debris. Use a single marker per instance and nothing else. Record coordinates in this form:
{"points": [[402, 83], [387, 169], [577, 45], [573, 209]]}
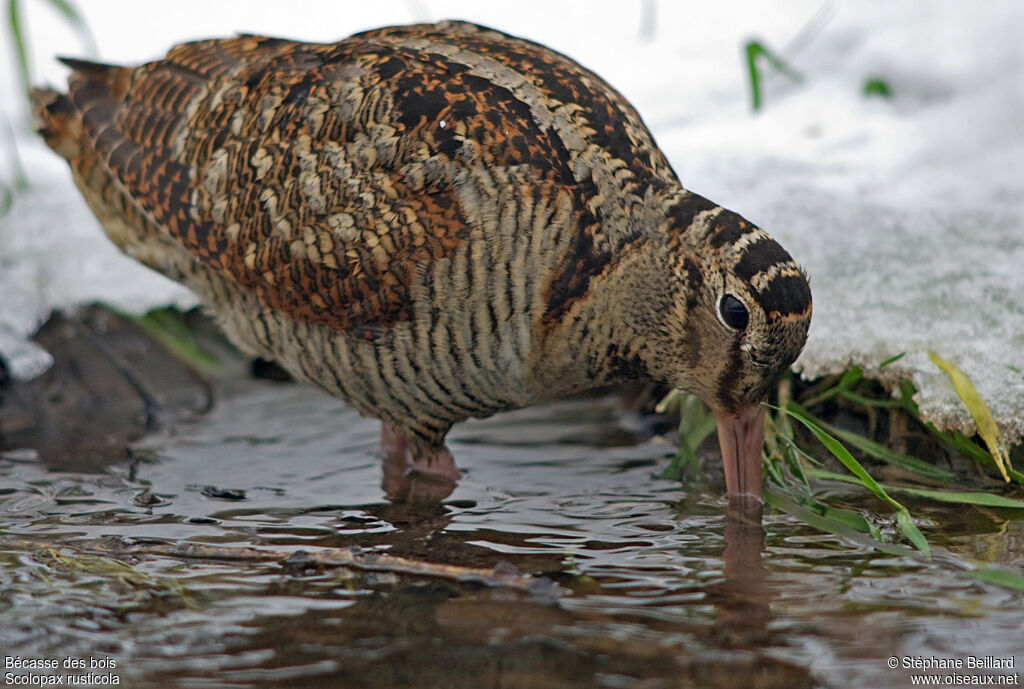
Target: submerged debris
{"points": [[503, 575]]}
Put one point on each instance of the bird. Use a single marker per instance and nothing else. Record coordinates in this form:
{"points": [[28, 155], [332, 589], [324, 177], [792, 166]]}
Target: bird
{"points": [[433, 222]]}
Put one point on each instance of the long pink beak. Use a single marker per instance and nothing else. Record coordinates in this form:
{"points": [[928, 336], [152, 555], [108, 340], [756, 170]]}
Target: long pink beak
{"points": [[740, 437]]}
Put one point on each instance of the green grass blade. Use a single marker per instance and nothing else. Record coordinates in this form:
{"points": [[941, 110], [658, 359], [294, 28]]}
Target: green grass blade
{"points": [[892, 359], [797, 450], [877, 87], [952, 496], [167, 328], [842, 454], [870, 402], [695, 424], [910, 530], [752, 74], [881, 452], [683, 464], [987, 428], [849, 378], [781, 450], [20, 38], [77, 22], [701, 431], [796, 468], [6, 199], [786, 504], [14, 158], [998, 576], [773, 471], [961, 497], [903, 518], [755, 50], [907, 392], [70, 13], [20, 49], [847, 517], [967, 446]]}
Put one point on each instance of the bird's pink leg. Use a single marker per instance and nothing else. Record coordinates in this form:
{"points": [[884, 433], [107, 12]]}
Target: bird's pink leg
{"points": [[409, 476]]}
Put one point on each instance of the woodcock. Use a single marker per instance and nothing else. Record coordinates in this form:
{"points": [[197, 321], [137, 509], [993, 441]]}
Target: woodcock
{"points": [[432, 222]]}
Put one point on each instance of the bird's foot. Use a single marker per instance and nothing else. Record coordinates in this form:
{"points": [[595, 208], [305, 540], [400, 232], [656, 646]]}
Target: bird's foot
{"points": [[426, 477]]}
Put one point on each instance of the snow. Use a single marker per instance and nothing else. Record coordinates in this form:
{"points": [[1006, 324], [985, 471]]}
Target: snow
{"points": [[907, 212]]}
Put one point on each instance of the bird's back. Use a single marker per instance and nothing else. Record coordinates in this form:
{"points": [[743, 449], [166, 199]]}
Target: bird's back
{"points": [[325, 178]]}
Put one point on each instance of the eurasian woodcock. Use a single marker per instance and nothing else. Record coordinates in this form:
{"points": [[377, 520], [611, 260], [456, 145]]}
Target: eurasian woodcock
{"points": [[432, 222]]}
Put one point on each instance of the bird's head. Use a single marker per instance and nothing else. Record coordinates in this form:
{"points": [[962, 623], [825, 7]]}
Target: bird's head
{"points": [[737, 318]]}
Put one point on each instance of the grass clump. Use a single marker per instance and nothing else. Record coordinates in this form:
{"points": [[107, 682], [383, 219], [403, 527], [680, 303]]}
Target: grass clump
{"points": [[119, 573], [869, 433], [861, 476]]}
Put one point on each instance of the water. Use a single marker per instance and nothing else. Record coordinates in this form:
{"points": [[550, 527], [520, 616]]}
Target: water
{"points": [[656, 587]]}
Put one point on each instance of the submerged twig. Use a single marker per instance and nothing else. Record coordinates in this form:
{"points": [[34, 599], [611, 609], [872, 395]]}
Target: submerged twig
{"points": [[502, 576]]}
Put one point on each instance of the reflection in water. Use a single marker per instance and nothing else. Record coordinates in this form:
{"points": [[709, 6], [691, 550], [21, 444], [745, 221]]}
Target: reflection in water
{"points": [[402, 481], [742, 601]]}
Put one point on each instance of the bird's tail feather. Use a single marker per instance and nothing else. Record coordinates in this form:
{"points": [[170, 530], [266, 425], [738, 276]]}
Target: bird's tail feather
{"points": [[58, 117], [57, 121]]}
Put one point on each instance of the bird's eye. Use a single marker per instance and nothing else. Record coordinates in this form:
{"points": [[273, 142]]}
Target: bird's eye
{"points": [[734, 313]]}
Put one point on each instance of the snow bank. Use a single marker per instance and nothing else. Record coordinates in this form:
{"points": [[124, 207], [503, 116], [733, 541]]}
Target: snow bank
{"points": [[908, 212]]}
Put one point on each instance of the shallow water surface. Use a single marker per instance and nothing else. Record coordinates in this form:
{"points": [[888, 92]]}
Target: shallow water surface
{"points": [[647, 585]]}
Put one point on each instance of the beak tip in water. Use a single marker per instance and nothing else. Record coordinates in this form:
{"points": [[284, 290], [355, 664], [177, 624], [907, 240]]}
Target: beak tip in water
{"points": [[740, 436]]}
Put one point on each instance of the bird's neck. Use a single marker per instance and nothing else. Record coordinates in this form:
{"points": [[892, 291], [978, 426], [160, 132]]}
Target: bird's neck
{"points": [[616, 319], [602, 339]]}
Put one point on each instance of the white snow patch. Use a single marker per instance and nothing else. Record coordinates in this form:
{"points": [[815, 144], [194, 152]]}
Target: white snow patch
{"points": [[908, 213]]}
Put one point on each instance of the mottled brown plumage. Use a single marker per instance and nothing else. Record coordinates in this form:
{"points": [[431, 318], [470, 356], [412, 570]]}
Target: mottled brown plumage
{"points": [[433, 222]]}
